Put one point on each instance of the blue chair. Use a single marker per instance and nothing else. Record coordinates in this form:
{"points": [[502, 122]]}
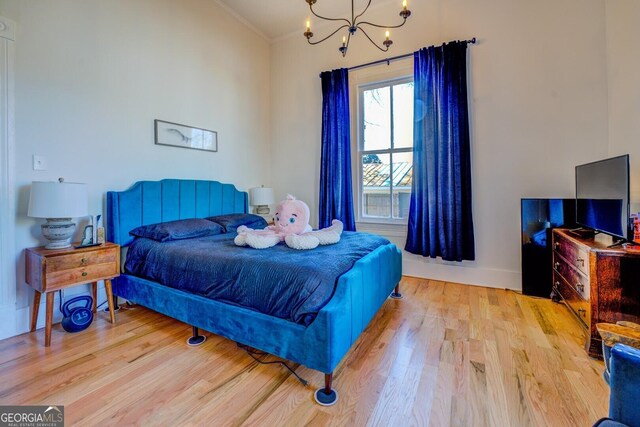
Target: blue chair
{"points": [[622, 369]]}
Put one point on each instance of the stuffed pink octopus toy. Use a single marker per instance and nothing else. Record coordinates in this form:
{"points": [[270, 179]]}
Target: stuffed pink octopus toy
{"points": [[292, 227]]}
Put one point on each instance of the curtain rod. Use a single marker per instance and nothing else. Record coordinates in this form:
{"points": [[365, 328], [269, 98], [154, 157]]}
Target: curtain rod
{"points": [[395, 58]]}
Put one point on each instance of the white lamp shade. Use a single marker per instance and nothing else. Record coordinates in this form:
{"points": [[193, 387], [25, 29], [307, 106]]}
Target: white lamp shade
{"points": [[261, 196], [58, 200]]}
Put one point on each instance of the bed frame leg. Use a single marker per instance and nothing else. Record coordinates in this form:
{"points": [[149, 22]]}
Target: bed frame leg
{"points": [[326, 396], [396, 292], [196, 339]]}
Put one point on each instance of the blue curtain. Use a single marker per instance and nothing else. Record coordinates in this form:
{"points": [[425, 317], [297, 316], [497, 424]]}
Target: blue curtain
{"points": [[336, 198], [440, 220]]}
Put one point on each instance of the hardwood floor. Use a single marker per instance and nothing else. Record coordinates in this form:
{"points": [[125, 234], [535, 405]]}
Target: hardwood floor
{"points": [[446, 354]]}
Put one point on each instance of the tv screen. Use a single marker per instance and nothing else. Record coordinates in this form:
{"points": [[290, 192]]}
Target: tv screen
{"points": [[602, 196]]}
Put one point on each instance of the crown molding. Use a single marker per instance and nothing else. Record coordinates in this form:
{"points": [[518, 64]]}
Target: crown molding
{"points": [[243, 21]]}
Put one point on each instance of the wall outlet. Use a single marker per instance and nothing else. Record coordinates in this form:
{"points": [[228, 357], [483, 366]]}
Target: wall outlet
{"points": [[39, 163]]}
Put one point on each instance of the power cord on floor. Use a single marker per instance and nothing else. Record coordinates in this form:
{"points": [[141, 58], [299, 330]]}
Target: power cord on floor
{"points": [[256, 353], [61, 299]]}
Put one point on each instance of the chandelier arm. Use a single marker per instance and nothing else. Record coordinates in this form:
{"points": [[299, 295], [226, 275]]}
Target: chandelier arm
{"points": [[371, 40], [382, 26], [329, 19], [363, 12], [329, 36]]}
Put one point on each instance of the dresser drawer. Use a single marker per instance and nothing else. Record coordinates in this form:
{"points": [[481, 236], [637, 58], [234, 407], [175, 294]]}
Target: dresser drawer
{"points": [[579, 306], [575, 254], [578, 281], [78, 260]]}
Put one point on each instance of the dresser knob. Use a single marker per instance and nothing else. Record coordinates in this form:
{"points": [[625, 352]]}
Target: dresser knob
{"points": [[84, 260], [84, 273]]}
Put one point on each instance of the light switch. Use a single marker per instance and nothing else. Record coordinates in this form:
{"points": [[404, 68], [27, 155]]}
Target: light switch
{"points": [[39, 163]]}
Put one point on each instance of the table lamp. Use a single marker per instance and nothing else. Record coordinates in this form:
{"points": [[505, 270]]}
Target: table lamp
{"points": [[261, 198], [58, 202]]}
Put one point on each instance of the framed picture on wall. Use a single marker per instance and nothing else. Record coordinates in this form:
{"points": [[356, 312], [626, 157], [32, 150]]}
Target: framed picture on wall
{"points": [[177, 135]]}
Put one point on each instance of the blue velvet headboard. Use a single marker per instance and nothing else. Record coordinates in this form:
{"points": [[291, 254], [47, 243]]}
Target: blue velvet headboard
{"points": [[150, 202]]}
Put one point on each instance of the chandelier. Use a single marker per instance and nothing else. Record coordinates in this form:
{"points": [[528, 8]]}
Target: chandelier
{"points": [[354, 25]]}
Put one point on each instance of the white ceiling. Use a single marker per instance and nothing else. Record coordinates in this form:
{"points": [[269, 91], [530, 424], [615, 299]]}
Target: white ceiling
{"points": [[278, 18]]}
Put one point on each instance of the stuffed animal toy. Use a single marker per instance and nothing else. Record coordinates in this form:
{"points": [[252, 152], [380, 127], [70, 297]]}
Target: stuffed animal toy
{"points": [[292, 227]]}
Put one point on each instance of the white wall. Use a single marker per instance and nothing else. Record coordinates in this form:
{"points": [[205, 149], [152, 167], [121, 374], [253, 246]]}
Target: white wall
{"points": [[538, 104], [92, 75], [623, 65], [550, 87]]}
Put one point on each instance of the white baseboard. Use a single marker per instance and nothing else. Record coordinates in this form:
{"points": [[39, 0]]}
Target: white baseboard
{"points": [[468, 273], [7, 321], [460, 273], [15, 321]]}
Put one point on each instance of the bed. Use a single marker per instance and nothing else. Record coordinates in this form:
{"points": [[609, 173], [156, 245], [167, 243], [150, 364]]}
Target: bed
{"points": [[321, 344]]}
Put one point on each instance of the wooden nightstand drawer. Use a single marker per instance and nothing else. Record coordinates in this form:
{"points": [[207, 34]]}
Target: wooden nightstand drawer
{"points": [[70, 261], [49, 270], [90, 273]]}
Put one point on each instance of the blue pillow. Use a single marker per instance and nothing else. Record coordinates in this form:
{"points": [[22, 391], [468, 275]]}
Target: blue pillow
{"points": [[178, 230], [231, 222]]}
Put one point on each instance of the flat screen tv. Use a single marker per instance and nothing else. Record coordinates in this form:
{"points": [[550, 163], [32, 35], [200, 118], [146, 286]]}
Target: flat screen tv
{"points": [[602, 196]]}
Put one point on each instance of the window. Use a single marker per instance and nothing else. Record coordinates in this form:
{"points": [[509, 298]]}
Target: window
{"points": [[385, 144]]}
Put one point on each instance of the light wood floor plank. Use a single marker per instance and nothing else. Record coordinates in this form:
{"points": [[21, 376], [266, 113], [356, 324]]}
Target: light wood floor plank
{"points": [[446, 354]]}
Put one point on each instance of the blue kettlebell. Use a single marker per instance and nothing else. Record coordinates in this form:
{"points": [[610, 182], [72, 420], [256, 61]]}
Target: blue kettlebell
{"points": [[78, 318]]}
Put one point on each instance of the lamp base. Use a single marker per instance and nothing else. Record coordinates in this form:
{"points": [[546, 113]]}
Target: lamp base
{"points": [[59, 232], [262, 209]]}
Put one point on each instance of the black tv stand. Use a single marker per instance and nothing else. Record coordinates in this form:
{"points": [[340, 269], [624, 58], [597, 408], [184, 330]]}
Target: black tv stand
{"points": [[617, 243], [585, 232], [622, 242]]}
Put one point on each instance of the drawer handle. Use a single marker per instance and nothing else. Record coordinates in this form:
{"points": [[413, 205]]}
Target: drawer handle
{"points": [[556, 246], [84, 273], [83, 261], [580, 261], [580, 287], [582, 312], [557, 284], [556, 265]]}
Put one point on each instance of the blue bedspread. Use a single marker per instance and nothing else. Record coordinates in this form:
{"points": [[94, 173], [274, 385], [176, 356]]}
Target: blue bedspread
{"points": [[279, 281]]}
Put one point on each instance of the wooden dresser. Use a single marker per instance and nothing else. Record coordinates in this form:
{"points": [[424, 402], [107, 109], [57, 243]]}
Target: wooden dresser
{"points": [[597, 283]]}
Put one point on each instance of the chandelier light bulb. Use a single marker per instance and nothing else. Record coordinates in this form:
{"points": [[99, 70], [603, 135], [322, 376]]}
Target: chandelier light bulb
{"points": [[386, 34], [404, 4], [308, 34]]}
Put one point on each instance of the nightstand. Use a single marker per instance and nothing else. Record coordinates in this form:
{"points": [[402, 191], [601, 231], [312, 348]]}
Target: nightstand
{"points": [[267, 217], [48, 270]]}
